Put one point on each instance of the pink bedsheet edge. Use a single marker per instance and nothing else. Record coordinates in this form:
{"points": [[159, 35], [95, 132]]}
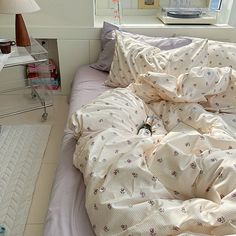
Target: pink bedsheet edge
{"points": [[67, 215]]}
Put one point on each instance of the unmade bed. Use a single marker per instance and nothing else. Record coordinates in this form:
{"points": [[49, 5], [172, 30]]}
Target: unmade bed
{"points": [[179, 180], [66, 214]]}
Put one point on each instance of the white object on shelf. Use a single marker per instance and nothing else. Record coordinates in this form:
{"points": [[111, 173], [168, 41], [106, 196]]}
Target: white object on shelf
{"points": [[192, 21], [205, 17]]}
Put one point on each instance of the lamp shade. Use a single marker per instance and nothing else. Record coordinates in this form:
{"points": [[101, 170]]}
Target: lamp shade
{"points": [[18, 6]]}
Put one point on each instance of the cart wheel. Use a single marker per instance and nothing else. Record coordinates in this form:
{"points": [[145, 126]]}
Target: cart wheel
{"points": [[44, 116], [33, 95]]}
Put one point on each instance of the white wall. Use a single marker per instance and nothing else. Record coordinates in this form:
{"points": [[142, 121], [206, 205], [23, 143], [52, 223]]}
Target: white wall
{"points": [[78, 40], [224, 15], [57, 13], [232, 19]]}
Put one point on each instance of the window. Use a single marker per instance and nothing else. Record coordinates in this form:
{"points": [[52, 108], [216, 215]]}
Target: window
{"points": [[132, 14], [215, 4]]}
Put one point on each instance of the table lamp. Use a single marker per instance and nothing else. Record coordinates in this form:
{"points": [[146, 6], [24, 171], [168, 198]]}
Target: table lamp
{"points": [[17, 7]]}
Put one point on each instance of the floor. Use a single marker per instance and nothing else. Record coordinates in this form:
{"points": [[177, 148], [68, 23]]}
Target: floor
{"points": [[57, 118]]}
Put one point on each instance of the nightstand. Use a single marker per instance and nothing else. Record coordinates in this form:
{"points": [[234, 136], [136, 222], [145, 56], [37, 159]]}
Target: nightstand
{"points": [[18, 95]]}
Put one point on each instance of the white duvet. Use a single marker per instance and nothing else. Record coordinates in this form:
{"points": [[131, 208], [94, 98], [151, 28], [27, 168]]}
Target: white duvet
{"points": [[180, 181]]}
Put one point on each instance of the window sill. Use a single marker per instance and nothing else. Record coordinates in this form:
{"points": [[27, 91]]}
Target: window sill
{"points": [[150, 22]]}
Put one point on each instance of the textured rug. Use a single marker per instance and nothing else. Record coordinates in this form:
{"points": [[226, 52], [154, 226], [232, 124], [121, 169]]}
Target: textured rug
{"points": [[22, 149]]}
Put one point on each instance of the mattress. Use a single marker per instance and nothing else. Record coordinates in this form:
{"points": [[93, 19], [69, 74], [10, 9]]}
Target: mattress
{"points": [[67, 215]]}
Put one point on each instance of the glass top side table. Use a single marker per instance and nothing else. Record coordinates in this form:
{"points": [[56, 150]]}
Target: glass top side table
{"points": [[19, 95]]}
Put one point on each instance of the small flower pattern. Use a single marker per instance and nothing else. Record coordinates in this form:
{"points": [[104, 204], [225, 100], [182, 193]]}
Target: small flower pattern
{"points": [[188, 162], [140, 61], [152, 232]]}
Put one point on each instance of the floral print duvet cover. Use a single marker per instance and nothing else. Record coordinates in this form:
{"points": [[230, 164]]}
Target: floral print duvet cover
{"points": [[179, 181]]}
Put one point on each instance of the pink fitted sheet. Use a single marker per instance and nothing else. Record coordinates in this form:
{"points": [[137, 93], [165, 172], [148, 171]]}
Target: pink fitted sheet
{"points": [[66, 213]]}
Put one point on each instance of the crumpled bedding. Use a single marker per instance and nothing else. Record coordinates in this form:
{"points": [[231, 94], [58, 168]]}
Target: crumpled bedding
{"points": [[179, 181]]}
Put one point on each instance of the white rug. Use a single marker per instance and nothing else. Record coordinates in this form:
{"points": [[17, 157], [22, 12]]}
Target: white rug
{"points": [[22, 149]]}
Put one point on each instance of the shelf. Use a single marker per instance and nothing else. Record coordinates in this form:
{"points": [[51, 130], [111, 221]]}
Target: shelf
{"points": [[24, 101], [19, 95], [25, 55], [150, 22]]}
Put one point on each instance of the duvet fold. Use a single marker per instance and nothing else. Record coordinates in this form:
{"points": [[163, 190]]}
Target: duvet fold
{"points": [[179, 181]]}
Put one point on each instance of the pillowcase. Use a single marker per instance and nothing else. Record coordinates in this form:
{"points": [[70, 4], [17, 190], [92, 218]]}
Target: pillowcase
{"points": [[222, 54], [108, 45], [133, 58], [199, 85], [107, 51], [161, 42]]}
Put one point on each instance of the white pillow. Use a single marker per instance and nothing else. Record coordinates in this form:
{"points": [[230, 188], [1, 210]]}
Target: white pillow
{"points": [[199, 85], [132, 58], [222, 54]]}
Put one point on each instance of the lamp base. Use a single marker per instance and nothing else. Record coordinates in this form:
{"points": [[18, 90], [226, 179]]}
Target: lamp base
{"points": [[22, 37]]}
